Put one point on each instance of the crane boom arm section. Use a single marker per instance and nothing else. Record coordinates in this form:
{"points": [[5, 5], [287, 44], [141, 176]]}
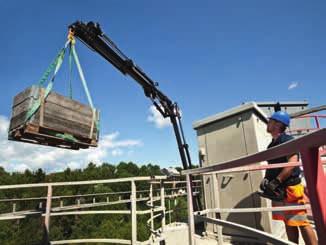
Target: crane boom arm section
{"points": [[92, 35]]}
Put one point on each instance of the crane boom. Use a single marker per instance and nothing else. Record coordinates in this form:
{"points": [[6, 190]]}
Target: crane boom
{"points": [[92, 35]]}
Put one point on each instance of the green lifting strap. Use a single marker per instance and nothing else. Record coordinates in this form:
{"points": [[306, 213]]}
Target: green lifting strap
{"points": [[56, 66], [66, 137], [70, 71], [51, 67], [82, 78], [81, 74]]}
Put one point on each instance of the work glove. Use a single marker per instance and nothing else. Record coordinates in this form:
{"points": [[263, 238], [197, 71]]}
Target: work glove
{"points": [[274, 191], [272, 185], [263, 184]]}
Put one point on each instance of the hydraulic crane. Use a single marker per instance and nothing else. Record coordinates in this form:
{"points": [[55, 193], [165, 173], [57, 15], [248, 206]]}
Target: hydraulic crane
{"points": [[92, 35]]}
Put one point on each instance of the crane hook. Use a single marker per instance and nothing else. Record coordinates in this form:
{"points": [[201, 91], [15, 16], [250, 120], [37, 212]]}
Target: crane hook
{"points": [[71, 36]]}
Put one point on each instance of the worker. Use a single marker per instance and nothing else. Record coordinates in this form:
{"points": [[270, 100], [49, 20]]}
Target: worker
{"points": [[283, 185]]}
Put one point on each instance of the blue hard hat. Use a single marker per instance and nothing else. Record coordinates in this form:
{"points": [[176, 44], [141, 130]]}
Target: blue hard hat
{"points": [[281, 116]]}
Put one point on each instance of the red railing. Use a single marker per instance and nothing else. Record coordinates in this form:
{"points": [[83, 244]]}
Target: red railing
{"points": [[315, 118], [308, 146]]}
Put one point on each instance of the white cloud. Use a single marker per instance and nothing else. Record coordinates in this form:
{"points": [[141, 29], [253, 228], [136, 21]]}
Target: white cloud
{"points": [[293, 85], [17, 156], [156, 118], [117, 152]]}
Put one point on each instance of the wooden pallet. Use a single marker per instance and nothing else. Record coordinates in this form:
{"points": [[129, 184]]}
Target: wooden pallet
{"points": [[31, 133], [58, 115]]}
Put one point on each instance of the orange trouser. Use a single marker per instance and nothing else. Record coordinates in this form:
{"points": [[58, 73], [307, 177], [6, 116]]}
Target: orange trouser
{"points": [[294, 196]]}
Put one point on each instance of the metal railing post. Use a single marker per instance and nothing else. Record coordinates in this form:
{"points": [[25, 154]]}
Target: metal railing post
{"points": [[317, 122], [316, 182], [191, 221], [162, 204], [170, 212], [47, 214], [217, 201], [133, 214], [152, 207]]}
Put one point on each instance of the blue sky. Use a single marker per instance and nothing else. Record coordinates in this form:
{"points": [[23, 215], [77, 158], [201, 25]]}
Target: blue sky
{"points": [[206, 55]]}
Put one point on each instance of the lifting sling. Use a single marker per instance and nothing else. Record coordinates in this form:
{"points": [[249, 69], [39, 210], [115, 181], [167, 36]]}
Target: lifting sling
{"points": [[54, 68]]}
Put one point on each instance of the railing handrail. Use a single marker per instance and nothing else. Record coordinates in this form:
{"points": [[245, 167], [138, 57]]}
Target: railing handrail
{"points": [[257, 167], [253, 210], [312, 115], [92, 194], [86, 182], [314, 139], [94, 240], [308, 111]]}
